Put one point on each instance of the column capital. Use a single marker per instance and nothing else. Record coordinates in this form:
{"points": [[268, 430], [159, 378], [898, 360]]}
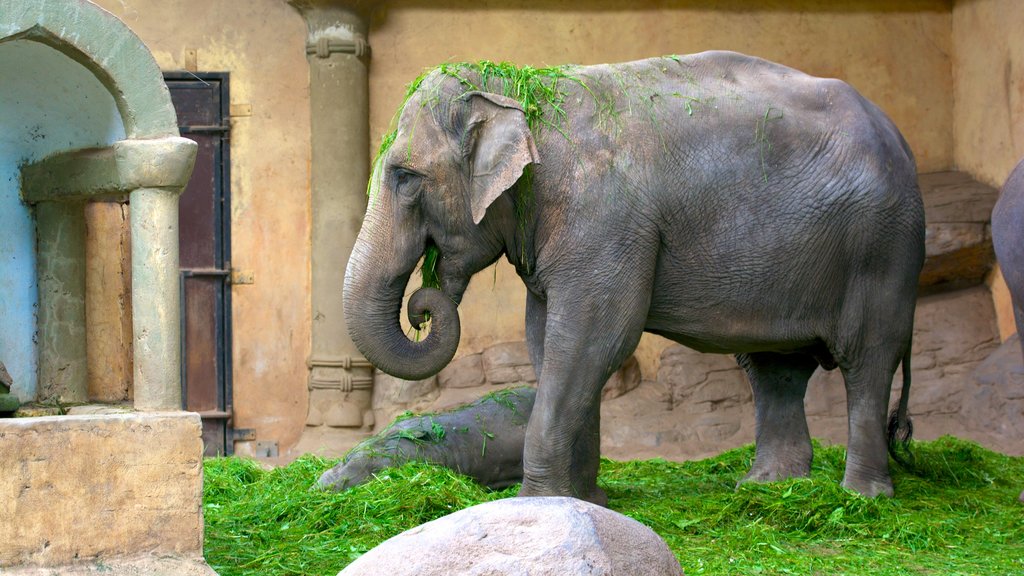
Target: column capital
{"points": [[335, 26]]}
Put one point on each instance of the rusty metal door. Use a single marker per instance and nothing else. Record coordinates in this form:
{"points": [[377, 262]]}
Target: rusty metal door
{"points": [[202, 103]]}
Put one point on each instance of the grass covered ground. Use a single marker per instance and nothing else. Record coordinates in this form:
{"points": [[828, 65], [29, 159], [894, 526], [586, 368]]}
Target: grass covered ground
{"points": [[955, 513]]}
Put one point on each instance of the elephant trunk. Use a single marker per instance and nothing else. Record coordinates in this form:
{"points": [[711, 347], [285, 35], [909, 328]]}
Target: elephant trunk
{"points": [[373, 301]]}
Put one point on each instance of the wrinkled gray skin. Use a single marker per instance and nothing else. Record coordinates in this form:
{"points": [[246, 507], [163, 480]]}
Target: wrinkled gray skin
{"points": [[1008, 241], [728, 203], [482, 440]]}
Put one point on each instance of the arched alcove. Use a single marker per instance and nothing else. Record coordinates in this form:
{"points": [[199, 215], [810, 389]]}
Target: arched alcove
{"points": [[48, 103], [85, 115]]}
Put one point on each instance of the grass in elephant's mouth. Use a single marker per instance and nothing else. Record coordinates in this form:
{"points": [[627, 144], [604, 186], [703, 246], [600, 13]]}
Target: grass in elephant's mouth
{"points": [[956, 512]]}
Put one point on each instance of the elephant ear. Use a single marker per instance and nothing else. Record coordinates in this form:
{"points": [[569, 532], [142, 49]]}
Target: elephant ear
{"points": [[497, 147]]}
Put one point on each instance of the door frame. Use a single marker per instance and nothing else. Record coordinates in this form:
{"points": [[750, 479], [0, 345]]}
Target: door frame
{"points": [[222, 249]]}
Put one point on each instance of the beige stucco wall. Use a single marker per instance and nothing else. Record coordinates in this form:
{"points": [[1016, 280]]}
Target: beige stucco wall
{"points": [[988, 127], [898, 54], [260, 42]]}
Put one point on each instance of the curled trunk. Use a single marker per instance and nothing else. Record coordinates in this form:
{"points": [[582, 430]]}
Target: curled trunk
{"points": [[371, 311]]}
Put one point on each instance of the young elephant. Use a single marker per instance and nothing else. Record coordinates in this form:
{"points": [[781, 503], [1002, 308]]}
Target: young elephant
{"points": [[483, 440], [728, 203]]}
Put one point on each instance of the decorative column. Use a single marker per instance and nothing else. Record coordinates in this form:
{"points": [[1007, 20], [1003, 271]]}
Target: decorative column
{"points": [[340, 379], [156, 327]]}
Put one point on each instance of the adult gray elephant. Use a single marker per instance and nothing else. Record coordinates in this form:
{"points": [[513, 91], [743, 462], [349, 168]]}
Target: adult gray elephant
{"points": [[728, 203], [1008, 241]]}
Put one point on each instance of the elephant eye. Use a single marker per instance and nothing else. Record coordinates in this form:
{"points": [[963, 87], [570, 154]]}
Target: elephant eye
{"points": [[406, 180]]}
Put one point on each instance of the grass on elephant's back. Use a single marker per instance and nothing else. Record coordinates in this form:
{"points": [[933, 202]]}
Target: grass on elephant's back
{"points": [[955, 513]]}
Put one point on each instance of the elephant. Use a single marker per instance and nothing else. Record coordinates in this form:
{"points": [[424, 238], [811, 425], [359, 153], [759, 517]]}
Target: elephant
{"points": [[482, 440], [728, 203], [1008, 242]]}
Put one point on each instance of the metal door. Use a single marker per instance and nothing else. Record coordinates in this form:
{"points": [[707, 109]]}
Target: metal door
{"points": [[202, 103]]}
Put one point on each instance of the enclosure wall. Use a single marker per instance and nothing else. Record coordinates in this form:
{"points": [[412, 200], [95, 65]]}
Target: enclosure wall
{"points": [[896, 53]]}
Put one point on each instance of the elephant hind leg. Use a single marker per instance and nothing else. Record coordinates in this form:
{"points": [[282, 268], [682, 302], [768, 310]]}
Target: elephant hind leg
{"points": [[783, 443]]}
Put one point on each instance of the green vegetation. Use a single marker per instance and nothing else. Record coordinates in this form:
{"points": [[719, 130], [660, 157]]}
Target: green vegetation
{"points": [[955, 512]]}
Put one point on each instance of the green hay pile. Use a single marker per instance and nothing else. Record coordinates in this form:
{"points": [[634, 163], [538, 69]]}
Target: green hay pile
{"points": [[955, 513]]}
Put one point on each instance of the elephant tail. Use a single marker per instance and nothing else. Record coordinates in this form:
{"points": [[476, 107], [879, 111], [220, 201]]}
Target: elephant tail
{"points": [[901, 428]]}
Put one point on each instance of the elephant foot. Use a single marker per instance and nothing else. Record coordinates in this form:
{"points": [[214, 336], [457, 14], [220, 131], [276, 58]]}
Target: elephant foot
{"points": [[596, 496], [776, 471], [869, 487]]}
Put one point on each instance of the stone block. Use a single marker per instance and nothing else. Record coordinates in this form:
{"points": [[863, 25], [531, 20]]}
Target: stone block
{"points": [[464, 372], [698, 383], [508, 362], [994, 397], [958, 238], [624, 380], [75, 489]]}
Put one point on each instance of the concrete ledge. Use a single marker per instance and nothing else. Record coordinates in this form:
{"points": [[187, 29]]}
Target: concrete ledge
{"points": [[137, 566], [98, 173], [94, 490]]}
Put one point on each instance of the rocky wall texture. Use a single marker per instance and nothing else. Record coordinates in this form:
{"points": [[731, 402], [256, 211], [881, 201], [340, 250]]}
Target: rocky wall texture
{"points": [[698, 405]]}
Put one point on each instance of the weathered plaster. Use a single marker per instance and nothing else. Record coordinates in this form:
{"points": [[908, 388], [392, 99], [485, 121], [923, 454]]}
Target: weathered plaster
{"points": [[988, 74], [62, 364], [108, 301]]}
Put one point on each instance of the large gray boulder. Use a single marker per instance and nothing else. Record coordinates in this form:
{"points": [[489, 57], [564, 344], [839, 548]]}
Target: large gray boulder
{"points": [[523, 536]]}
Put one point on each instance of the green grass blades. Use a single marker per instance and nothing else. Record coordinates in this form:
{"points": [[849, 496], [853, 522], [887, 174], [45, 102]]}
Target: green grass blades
{"points": [[955, 512]]}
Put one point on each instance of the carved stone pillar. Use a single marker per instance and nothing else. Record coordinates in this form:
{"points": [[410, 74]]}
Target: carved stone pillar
{"points": [[340, 379]]}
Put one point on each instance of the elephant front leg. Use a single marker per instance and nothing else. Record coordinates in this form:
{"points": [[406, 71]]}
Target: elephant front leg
{"points": [[562, 452], [563, 440]]}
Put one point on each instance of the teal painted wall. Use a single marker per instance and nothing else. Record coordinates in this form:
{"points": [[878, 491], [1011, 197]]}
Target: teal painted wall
{"points": [[48, 103]]}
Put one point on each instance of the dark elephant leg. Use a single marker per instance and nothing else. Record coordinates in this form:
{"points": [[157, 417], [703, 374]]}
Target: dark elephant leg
{"points": [[868, 385], [783, 444], [581, 350]]}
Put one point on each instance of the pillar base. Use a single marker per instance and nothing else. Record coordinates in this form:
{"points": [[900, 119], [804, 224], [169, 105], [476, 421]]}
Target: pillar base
{"points": [[340, 392]]}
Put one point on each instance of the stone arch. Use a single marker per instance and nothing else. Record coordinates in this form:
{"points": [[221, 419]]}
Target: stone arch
{"points": [[106, 47], [151, 165]]}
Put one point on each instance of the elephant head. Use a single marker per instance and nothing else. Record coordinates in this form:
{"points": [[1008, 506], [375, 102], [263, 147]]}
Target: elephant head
{"points": [[440, 185]]}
